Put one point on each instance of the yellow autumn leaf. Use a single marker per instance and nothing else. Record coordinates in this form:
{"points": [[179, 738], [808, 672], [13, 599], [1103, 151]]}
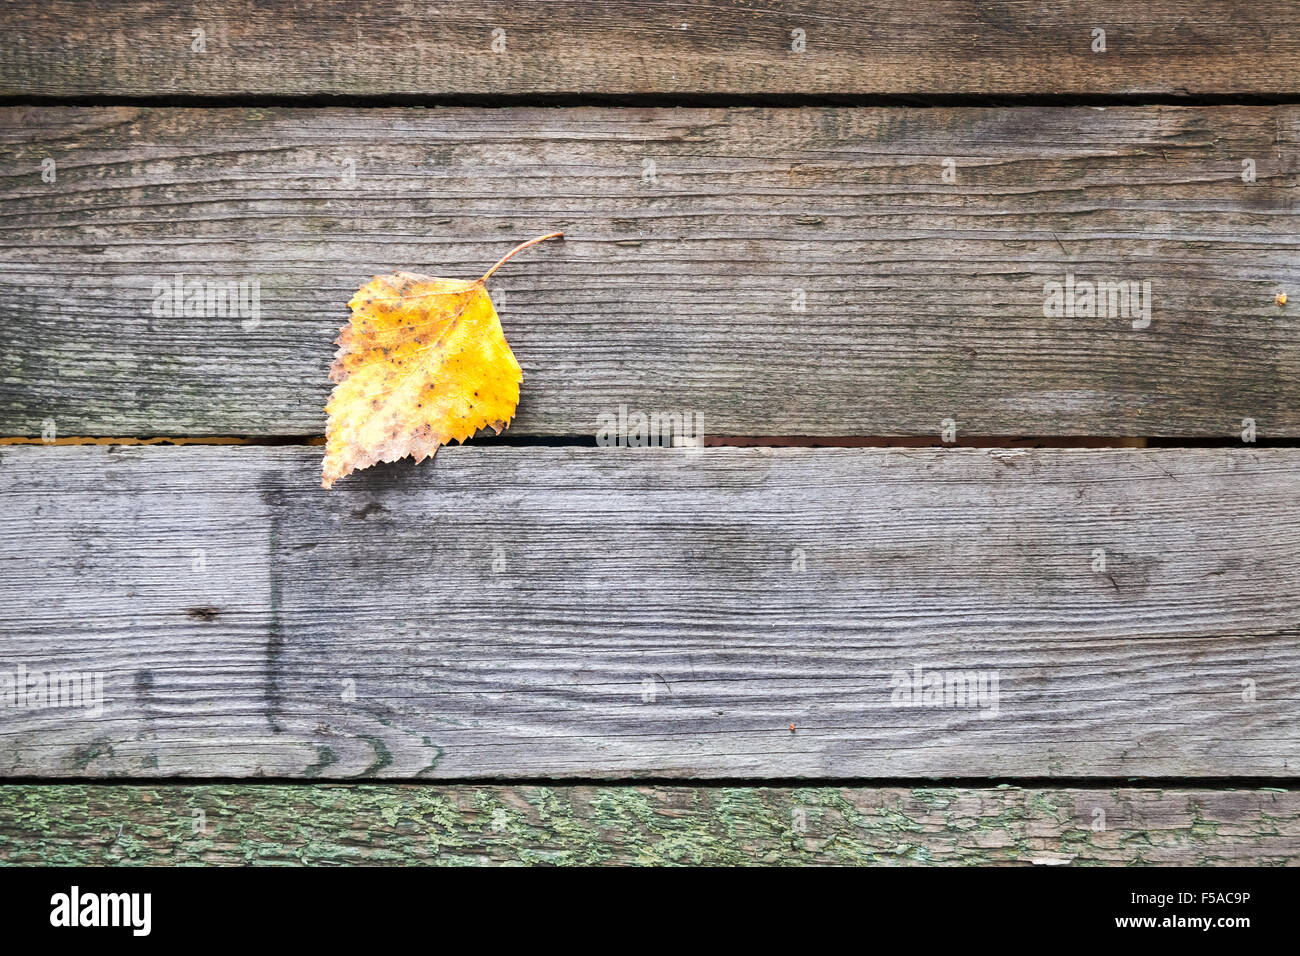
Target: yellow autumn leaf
{"points": [[423, 361]]}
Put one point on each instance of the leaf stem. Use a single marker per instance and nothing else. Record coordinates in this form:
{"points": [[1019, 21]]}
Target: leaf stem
{"points": [[523, 245]]}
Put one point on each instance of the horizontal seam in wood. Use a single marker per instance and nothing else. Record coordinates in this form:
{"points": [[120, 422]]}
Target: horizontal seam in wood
{"points": [[1217, 784], [792, 100]]}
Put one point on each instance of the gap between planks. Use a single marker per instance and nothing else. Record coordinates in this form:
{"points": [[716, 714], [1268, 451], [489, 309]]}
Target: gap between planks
{"points": [[727, 441]]}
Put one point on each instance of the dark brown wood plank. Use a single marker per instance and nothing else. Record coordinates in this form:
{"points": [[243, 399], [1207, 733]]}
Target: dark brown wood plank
{"points": [[929, 47], [689, 232], [359, 825], [570, 612]]}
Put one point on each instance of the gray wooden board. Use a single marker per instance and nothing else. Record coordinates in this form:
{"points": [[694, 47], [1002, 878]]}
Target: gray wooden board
{"points": [[694, 235], [600, 613], [475, 824], [929, 47]]}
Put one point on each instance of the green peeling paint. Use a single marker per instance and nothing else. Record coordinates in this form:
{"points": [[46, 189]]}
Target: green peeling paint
{"points": [[339, 824]]}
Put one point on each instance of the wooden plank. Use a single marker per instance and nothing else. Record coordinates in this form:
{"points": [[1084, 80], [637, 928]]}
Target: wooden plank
{"points": [[223, 824], [568, 612], [679, 284], [315, 47]]}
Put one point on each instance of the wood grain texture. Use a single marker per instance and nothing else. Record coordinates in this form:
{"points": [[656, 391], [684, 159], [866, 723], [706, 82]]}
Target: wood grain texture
{"points": [[314, 47], [567, 612], [689, 232], [357, 825]]}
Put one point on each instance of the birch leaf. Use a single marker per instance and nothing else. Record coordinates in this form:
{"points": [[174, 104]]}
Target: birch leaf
{"points": [[423, 361]]}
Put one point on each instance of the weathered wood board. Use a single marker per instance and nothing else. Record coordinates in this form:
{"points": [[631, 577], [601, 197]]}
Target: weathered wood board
{"points": [[778, 272], [76, 824], [573, 612], [504, 47]]}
